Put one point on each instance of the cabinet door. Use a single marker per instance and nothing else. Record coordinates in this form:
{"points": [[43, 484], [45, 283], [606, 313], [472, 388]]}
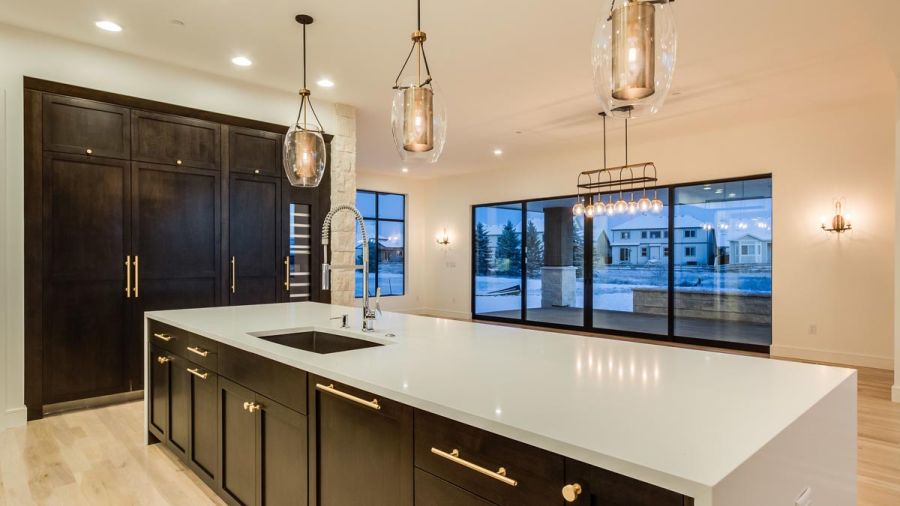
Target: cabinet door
{"points": [[204, 428], [255, 216], [254, 152], [433, 491], [237, 446], [179, 406], [159, 393], [85, 127], [363, 454], [85, 243], [602, 487], [175, 140], [176, 237], [283, 454]]}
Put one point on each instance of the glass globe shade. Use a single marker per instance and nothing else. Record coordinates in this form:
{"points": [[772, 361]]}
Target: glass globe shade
{"points": [[632, 207], [656, 205], [304, 157], [633, 56], [589, 211], [621, 206], [599, 208], [578, 209], [644, 204], [418, 121], [610, 208]]}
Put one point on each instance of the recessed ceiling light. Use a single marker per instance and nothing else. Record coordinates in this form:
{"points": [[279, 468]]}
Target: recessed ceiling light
{"points": [[707, 187], [325, 83], [719, 190], [404, 169], [241, 61], [109, 26], [732, 195], [498, 152]]}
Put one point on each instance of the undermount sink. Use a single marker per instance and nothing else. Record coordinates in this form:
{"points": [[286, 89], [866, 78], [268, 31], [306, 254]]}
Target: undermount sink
{"points": [[319, 342]]}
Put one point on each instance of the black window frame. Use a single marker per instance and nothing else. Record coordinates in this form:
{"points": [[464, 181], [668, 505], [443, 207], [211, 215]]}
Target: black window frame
{"points": [[378, 220], [587, 321]]}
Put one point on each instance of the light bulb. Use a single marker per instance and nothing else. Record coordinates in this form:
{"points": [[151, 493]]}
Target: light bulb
{"points": [[418, 110], [304, 157], [621, 206], [578, 209], [644, 204], [589, 211], [599, 208], [632, 207], [656, 205], [610, 208]]}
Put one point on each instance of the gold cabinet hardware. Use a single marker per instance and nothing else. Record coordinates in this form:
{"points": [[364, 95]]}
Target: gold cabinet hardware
{"points": [[253, 407], [137, 275], [287, 274], [571, 492], [256, 171], [233, 280], [163, 360], [499, 474], [177, 162], [247, 405], [197, 350], [164, 337], [89, 151], [196, 372], [330, 389], [128, 277]]}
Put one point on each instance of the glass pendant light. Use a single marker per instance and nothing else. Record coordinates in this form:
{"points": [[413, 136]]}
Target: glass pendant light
{"points": [[304, 147], [610, 207], [418, 113], [578, 208], [656, 205], [633, 56], [599, 207], [589, 208]]}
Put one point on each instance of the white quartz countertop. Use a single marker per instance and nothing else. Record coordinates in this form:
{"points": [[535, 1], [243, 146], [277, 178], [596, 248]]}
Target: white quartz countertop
{"points": [[678, 418]]}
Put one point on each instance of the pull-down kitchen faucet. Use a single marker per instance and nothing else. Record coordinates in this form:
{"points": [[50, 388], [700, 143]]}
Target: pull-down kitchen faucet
{"points": [[368, 314]]}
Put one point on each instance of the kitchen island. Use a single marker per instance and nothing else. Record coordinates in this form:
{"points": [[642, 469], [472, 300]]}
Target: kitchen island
{"points": [[440, 412]]}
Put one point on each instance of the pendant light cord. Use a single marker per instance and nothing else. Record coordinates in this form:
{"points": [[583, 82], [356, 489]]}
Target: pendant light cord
{"points": [[419, 15], [304, 57]]}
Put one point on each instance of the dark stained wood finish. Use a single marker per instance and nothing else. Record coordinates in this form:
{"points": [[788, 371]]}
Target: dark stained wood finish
{"points": [[174, 140], [179, 436], [34, 254], [204, 428], [282, 454], [237, 444], [433, 491], [159, 394], [85, 242], [540, 474], [86, 127], [282, 383], [605, 488], [359, 455], [254, 152], [256, 213]]}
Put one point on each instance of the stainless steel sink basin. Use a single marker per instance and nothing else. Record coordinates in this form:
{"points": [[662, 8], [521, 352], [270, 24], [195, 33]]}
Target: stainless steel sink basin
{"points": [[319, 342]]}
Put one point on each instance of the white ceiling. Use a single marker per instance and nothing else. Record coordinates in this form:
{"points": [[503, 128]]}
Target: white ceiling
{"points": [[505, 66]]}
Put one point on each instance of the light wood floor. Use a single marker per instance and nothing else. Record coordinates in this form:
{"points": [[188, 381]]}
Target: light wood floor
{"points": [[97, 457]]}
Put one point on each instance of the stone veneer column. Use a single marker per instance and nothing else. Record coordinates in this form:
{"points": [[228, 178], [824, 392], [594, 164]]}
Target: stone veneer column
{"points": [[343, 191], [558, 273]]}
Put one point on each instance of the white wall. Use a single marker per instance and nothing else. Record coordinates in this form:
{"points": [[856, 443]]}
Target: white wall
{"points": [[895, 391], [842, 285], [27, 53]]}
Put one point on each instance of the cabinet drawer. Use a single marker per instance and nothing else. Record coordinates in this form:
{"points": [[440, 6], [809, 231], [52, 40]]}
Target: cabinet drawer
{"points": [[281, 383], [254, 151], [202, 351], [599, 486], [174, 140], [167, 337], [433, 491], [455, 452], [85, 127]]}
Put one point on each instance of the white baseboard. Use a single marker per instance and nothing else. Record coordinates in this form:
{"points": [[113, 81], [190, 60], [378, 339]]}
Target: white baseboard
{"points": [[895, 393], [14, 417], [833, 357]]}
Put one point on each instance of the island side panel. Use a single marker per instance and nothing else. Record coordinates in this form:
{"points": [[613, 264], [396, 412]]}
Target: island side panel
{"points": [[817, 451], [148, 438]]}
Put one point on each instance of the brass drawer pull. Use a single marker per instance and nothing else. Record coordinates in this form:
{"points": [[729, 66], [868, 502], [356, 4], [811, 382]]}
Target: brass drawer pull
{"points": [[571, 492], [196, 372], [163, 360], [128, 277], [164, 337], [233, 278], [197, 350], [137, 276], [252, 406], [499, 474], [330, 389], [89, 151], [287, 274]]}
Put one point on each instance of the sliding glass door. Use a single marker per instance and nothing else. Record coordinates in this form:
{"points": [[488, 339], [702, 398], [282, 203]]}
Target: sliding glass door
{"points": [[497, 262]]}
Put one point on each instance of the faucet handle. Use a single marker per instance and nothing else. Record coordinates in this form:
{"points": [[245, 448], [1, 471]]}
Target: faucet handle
{"points": [[378, 301], [343, 318]]}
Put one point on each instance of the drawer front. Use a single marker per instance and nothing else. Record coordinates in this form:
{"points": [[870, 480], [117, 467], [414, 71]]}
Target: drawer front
{"points": [[281, 383], [433, 491], [85, 127], [174, 140], [599, 486], [167, 337], [471, 458], [202, 351], [254, 152]]}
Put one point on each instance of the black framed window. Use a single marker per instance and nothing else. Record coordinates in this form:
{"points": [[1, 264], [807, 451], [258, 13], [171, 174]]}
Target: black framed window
{"points": [[385, 218], [536, 263]]}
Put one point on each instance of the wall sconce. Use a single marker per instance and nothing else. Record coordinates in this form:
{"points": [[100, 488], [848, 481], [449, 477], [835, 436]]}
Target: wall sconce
{"points": [[443, 238], [839, 223]]}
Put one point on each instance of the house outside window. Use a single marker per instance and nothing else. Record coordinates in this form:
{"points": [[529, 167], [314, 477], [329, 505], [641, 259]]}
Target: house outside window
{"points": [[624, 255], [626, 235], [655, 234], [690, 251], [690, 234], [644, 251], [385, 218], [643, 234]]}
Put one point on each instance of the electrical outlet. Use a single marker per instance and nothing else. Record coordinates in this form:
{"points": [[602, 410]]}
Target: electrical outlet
{"points": [[805, 499], [813, 329]]}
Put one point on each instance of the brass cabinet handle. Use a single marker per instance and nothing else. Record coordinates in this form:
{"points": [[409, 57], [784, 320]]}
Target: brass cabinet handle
{"points": [[178, 162], [163, 360], [128, 277], [89, 151], [287, 274], [164, 337], [198, 351], [196, 372], [252, 406], [499, 474], [571, 492], [247, 405], [137, 273], [233, 280], [330, 389]]}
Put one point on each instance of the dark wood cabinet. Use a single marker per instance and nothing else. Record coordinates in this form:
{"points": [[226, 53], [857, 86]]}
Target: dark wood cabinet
{"points": [[238, 443], [433, 491], [600, 487], [175, 140], [86, 241], [204, 422], [360, 447], [256, 244], [86, 127], [158, 393], [254, 152], [179, 436]]}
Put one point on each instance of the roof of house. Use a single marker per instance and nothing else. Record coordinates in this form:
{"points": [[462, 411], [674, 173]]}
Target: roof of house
{"points": [[762, 235], [658, 221]]}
